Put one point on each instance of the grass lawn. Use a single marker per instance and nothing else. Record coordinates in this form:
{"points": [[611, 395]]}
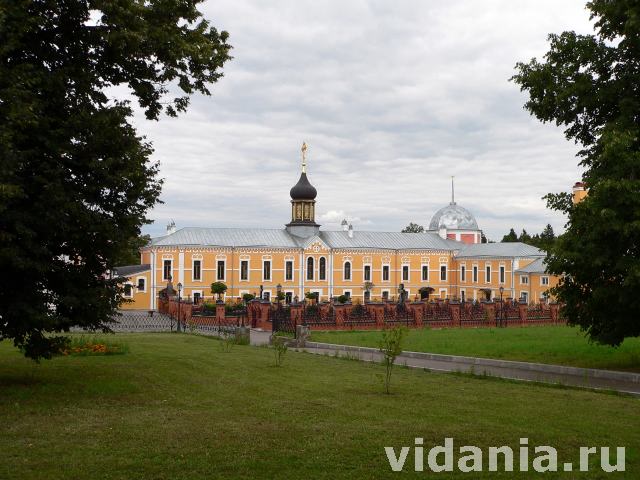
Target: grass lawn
{"points": [[178, 407], [546, 344]]}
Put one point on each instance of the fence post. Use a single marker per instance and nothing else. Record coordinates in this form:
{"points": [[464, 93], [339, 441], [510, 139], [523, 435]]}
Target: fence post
{"points": [[340, 309], [489, 311], [220, 312], [417, 309], [522, 310], [296, 313], [454, 305], [553, 310]]}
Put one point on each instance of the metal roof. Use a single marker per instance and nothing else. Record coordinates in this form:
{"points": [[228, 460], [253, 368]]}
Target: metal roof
{"points": [[228, 237], [128, 270], [506, 249], [537, 266], [387, 240], [247, 237], [453, 217]]}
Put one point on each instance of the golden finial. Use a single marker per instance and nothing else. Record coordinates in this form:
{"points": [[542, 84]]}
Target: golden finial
{"points": [[304, 157]]}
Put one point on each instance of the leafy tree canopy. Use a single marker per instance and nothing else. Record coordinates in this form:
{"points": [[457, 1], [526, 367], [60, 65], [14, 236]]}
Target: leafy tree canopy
{"points": [[510, 237], [76, 179], [413, 228], [589, 85]]}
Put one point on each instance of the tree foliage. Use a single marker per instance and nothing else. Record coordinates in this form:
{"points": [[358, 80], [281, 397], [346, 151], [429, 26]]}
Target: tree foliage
{"points": [[589, 85], [510, 237], [76, 179], [413, 228]]}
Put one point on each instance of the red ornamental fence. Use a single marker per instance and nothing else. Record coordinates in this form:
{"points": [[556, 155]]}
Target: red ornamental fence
{"points": [[370, 316]]}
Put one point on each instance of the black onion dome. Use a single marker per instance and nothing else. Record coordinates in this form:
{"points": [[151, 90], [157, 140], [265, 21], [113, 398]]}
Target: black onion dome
{"points": [[303, 190]]}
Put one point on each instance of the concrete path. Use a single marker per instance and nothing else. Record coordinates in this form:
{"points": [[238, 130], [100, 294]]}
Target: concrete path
{"points": [[534, 372], [259, 337]]}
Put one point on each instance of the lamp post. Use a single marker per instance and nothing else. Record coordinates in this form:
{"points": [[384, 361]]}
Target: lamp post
{"points": [[179, 299], [501, 307]]}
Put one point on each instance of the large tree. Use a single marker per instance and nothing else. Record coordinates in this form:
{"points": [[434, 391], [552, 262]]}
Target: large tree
{"points": [[413, 228], [76, 180], [590, 84]]}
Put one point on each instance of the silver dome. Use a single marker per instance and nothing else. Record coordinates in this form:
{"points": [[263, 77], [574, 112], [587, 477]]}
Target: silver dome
{"points": [[453, 217]]}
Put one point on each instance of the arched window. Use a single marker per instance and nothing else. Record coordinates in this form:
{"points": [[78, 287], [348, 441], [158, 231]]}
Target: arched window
{"points": [[310, 268], [347, 270], [322, 269]]}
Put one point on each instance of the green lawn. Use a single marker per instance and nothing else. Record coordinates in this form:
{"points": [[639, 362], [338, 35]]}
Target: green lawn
{"points": [[557, 344], [178, 407]]}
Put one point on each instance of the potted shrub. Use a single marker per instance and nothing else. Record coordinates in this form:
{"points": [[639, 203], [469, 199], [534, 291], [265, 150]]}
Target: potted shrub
{"points": [[218, 288]]}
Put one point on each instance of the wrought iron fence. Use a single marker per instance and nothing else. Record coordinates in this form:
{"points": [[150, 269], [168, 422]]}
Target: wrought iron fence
{"points": [[314, 316], [538, 314], [359, 316], [281, 322], [399, 316], [473, 314], [437, 315]]}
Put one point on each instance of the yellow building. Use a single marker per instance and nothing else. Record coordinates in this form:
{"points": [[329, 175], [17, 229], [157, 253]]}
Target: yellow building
{"points": [[445, 262]]}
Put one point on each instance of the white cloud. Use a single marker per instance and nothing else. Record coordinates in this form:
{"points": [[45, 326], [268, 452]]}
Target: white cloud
{"points": [[392, 97]]}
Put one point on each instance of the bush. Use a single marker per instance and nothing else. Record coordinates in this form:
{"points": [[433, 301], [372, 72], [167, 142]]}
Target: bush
{"points": [[279, 349], [390, 347]]}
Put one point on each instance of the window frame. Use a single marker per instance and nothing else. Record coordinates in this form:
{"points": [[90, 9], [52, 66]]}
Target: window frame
{"points": [[310, 272], [405, 268], [224, 270], [287, 277], [446, 272], [248, 270], [344, 271], [193, 270], [164, 269], [424, 268], [322, 269], [266, 278]]}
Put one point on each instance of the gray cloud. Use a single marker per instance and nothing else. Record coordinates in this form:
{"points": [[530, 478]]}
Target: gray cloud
{"points": [[392, 97]]}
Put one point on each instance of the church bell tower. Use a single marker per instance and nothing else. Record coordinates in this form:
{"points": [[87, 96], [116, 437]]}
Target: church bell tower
{"points": [[303, 204]]}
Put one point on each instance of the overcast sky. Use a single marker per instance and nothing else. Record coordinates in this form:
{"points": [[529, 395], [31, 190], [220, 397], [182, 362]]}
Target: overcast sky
{"points": [[392, 97]]}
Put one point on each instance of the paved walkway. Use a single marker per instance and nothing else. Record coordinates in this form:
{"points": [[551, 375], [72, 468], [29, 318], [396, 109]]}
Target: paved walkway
{"points": [[259, 337], [534, 372]]}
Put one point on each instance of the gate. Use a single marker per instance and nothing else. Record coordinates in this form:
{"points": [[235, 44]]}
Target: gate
{"points": [[280, 318]]}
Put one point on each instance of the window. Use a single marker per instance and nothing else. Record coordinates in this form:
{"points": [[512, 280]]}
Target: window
{"points": [[367, 273], [347, 271], [266, 270], [244, 269], [544, 281], [197, 297], [367, 295], [266, 295], [487, 274], [322, 269], [524, 280], [524, 296], [166, 269], [425, 273], [475, 274], [221, 269], [443, 273], [310, 268], [128, 290], [288, 271], [463, 295], [288, 297], [405, 273], [463, 273], [501, 273], [385, 273], [385, 294], [197, 270], [141, 284], [347, 293]]}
